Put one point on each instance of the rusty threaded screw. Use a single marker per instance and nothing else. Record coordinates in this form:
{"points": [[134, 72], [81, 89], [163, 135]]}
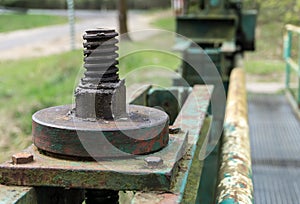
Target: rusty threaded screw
{"points": [[100, 57], [100, 94]]}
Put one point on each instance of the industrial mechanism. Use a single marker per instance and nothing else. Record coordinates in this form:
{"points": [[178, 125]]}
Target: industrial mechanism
{"points": [[99, 147], [222, 29], [100, 126]]}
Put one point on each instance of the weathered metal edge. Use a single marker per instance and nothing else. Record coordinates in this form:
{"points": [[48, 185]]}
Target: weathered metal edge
{"points": [[17, 195], [235, 175], [190, 118], [127, 174], [193, 181]]}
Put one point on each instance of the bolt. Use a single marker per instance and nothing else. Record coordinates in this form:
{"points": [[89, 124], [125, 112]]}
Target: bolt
{"points": [[100, 94], [22, 158], [153, 162], [174, 130]]}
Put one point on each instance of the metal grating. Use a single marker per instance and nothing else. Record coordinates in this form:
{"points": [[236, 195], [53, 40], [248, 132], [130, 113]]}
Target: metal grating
{"points": [[275, 149]]}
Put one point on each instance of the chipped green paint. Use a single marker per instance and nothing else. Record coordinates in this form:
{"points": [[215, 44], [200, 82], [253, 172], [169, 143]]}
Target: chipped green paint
{"points": [[228, 201], [191, 117], [17, 195], [120, 174], [235, 174], [124, 174], [191, 191], [58, 132]]}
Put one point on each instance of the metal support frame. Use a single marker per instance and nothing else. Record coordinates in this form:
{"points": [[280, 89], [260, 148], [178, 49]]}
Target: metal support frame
{"points": [[171, 178], [292, 66]]}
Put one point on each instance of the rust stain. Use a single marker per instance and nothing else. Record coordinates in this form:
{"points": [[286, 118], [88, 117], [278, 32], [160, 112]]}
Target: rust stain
{"points": [[235, 177]]}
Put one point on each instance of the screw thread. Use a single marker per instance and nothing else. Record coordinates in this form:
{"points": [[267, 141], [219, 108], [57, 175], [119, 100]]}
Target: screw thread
{"points": [[100, 57], [100, 94]]}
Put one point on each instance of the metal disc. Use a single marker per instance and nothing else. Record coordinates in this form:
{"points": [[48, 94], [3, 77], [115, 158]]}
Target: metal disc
{"points": [[57, 131]]}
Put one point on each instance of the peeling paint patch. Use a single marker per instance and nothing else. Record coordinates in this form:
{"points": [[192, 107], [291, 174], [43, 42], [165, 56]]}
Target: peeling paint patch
{"points": [[235, 175]]}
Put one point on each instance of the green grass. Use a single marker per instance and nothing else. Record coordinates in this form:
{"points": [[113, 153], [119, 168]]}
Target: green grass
{"points": [[29, 85], [166, 23], [264, 67], [11, 22]]}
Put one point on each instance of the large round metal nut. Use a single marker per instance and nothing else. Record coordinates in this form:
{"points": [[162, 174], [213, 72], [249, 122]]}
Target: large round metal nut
{"points": [[22, 158], [154, 162]]}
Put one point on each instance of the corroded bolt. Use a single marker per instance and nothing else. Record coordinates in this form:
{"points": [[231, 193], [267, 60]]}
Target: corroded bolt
{"points": [[22, 158], [100, 94], [154, 162], [174, 130]]}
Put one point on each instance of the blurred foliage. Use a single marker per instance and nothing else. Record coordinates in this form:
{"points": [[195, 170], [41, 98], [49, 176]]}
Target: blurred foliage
{"points": [[286, 11], [85, 4]]}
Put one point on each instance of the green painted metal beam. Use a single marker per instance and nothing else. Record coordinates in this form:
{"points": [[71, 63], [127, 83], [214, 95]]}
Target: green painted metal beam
{"points": [[17, 195], [192, 117], [291, 65]]}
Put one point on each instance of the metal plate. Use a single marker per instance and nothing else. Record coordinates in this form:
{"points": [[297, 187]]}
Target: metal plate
{"points": [[123, 174]]}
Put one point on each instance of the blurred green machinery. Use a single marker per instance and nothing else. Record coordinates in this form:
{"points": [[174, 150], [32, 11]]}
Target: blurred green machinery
{"points": [[221, 29]]}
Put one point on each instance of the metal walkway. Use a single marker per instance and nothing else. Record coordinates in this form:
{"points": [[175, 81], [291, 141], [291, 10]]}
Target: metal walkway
{"points": [[275, 149]]}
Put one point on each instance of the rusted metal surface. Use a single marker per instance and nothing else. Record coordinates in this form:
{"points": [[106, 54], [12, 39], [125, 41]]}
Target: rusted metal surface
{"points": [[129, 173], [17, 195], [100, 93], [22, 158], [122, 174], [154, 198], [235, 175], [190, 118], [100, 126], [143, 130]]}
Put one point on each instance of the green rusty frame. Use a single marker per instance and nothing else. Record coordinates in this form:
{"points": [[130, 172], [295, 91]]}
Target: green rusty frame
{"points": [[127, 174], [171, 177], [291, 65], [193, 118]]}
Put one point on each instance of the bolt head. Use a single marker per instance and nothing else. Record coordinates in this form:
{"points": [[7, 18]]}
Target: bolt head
{"points": [[174, 130], [22, 158], [154, 162]]}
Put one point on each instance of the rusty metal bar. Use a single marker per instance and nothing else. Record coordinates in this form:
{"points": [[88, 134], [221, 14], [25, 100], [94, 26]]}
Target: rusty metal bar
{"points": [[235, 175], [191, 117]]}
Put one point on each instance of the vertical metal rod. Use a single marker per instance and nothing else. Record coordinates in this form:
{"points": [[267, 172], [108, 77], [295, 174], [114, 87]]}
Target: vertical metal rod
{"points": [[298, 94], [287, 55], [71, 16]]}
